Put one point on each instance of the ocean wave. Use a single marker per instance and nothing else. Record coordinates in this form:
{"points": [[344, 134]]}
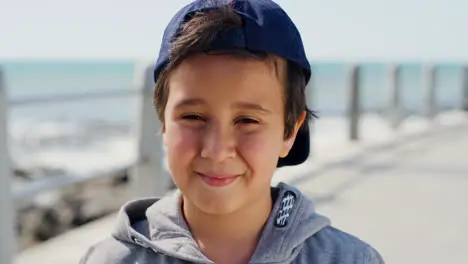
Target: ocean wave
{"points": [[74, 147]]}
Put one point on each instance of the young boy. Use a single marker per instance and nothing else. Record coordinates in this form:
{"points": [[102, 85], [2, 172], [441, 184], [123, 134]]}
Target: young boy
{"points": [[230, 93]]}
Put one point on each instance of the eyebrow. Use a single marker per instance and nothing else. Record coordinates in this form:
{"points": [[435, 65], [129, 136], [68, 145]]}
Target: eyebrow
{"points": [[252, 106], [190, 102], [238, 105]]}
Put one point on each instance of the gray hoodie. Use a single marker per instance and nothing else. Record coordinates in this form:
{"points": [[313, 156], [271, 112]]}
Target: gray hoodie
{"points": [[154, 231]]}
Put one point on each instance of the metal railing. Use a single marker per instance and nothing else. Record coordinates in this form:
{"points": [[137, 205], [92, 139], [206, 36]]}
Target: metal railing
{"points": [[148, 128], [147, 174], [7, 215], [50, 99], [148, 177], [395, 107]]}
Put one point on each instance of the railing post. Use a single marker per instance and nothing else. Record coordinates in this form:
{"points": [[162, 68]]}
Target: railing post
{"points": [[465, 89], [7, 209], [429, 75], [354, 108], [395, 104], [149, 175]]}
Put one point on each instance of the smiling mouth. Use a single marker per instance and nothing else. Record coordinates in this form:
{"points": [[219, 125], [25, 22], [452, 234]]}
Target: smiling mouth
{"points": [[218, 180]]}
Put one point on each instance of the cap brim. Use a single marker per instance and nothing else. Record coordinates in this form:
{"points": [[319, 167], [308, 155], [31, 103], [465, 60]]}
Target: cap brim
{"points": [[299, 151]]}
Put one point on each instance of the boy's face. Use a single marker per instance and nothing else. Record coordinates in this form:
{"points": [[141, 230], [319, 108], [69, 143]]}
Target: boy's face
{"points": [[224, 130]]}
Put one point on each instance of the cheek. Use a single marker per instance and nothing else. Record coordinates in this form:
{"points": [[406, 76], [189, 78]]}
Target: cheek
{"points": [[260, 150], [181, 145]]}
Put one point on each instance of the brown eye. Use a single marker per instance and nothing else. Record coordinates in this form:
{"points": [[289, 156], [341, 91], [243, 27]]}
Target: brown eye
{"points": [[193, 117], [246, 120]]}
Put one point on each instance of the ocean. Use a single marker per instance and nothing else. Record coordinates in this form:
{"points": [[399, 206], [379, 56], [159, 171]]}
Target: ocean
{"points": [[65, 134], [43, 78], [35, 79]]}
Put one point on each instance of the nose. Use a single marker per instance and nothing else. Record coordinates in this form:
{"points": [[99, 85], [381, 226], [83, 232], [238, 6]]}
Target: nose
{"points": [[218, 144]]}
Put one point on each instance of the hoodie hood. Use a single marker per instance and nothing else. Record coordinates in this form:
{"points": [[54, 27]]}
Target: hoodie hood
{"points": [[158, 224]]}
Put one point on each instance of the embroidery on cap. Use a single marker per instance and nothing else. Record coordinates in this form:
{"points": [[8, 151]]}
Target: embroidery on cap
{"points": [[287, 204]]}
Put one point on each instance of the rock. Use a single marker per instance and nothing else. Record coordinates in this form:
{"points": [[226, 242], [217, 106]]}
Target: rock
{"points": [[51, 213]]}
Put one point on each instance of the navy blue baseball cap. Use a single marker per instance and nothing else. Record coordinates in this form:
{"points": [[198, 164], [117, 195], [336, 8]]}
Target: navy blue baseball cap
{"points": [[266, 28]]}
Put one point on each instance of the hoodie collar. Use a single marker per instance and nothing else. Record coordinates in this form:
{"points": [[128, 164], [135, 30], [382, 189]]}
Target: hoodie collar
{"points": [[292, 221], [169, 231], [158, 225]]}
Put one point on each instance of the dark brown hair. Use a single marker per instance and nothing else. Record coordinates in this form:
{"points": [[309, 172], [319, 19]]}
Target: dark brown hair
{"points": [[196, 36]]}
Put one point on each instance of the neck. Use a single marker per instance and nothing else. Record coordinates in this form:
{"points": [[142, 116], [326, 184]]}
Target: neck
{"points": [[236, 233]]}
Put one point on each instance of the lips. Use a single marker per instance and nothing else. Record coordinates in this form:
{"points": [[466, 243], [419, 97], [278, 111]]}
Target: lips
{"points": [[218, 180]]}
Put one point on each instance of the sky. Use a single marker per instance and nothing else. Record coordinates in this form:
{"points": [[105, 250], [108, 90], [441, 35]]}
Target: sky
{"points": [[331, 29]]}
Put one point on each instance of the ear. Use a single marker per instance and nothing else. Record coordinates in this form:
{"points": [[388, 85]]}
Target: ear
{"points": [[289, 142]]}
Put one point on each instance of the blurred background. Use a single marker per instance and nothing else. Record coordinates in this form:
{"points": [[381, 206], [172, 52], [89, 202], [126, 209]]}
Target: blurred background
{"points": [[389, 159]]}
